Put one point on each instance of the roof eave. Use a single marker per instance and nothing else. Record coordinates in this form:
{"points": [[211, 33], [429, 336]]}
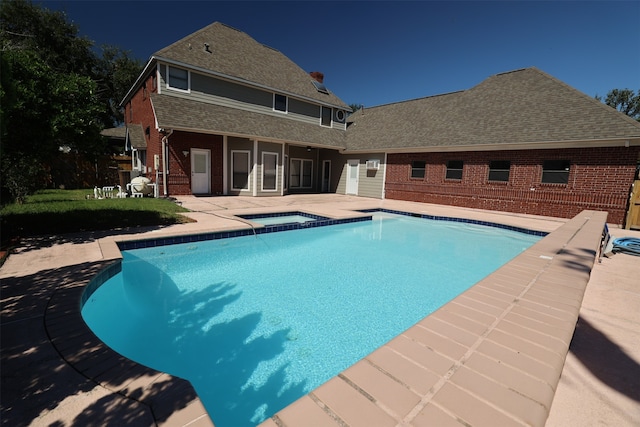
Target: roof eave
{"points": [[150, 64], [613, 142], [262, 138]]}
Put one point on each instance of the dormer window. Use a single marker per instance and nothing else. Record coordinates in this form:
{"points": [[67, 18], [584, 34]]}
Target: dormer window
{"points": [[177, 78], [280, 102], [325, 120], [320, 87]]}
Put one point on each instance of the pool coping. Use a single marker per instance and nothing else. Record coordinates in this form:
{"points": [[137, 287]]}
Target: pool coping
{"points": [[491, 356], [516, 323]]}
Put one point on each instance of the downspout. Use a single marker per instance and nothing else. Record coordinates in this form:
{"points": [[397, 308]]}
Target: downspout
{"points": [[165, 141]]}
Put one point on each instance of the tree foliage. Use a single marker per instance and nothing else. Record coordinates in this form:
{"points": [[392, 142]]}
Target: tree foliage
{"points": [[56, 93], [625, 101]]}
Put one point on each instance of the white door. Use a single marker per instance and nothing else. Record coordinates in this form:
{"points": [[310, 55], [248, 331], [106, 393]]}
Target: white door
{"points": [[200, 171], [352, 176]]}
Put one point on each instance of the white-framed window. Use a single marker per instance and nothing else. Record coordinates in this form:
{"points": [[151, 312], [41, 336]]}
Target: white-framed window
{"points": [[280, 103], [178, 78], [555, 171], [325, 118], [240, 169], [301, 171], [139, 160], [269, 171], [499, 170], [418, 168], [454, 169]]}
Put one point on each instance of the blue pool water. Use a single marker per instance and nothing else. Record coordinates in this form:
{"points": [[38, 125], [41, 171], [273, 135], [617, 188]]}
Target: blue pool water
{"points": [[256, 322], [282, 219]]}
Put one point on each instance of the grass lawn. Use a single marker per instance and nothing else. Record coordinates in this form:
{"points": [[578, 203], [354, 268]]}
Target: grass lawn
{"points": [[50, 212]]}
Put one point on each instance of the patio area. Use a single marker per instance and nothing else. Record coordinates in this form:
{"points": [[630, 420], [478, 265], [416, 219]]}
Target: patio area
{"points": [[496, 353]]}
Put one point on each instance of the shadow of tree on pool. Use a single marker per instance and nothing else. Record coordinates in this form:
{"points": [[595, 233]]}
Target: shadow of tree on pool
{"points": [[181, 333]]}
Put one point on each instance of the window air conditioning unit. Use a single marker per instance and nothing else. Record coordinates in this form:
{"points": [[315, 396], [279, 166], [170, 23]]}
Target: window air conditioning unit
{"points": [[373, 164]]}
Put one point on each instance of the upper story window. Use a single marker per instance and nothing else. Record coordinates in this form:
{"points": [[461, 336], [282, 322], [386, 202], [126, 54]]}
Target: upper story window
{"points": [[325, 120], [499, 170], [555, 171], [177, 78], [418, 168], [279, 102], [454, 169]]}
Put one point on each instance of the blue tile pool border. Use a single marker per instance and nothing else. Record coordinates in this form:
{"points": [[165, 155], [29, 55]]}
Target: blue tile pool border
{"points": [[279, 214], [319, 222], [191, 238], [99, 279], [462, 220]]}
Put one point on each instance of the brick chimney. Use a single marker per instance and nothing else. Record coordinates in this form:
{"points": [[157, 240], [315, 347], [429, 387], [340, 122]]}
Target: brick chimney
{"points": [[317, 76]]}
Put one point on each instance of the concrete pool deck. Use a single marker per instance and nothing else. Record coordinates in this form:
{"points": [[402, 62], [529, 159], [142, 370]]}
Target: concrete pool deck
{"points": [[502, 353]]}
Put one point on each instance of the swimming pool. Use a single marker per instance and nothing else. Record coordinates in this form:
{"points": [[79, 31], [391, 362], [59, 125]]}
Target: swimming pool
{"points": [[253, 333], [279, 218]]}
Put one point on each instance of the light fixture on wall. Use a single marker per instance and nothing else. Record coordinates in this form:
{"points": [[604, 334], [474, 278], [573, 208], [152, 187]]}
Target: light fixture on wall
{"points": [[185, 153], [308, 148]]}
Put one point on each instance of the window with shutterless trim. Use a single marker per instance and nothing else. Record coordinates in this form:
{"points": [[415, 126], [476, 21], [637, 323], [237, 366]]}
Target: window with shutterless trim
{"points": [[499, 170], [177, 78], [301, 173], [240, 169], [280, 102], [555, 171], [325, 120], [454, 169], [269, 171], [418, 168]]}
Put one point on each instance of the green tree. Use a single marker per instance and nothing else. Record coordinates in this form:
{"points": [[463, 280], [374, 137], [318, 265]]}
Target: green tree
{"points": [[115, 73], [623, 100], [56, 94]]}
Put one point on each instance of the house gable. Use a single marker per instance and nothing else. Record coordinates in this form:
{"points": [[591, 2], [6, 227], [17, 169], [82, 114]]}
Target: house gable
{"points": [[233, 54]]}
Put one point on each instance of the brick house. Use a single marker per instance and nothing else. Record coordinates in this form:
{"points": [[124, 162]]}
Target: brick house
{"points": [[219, 113]]}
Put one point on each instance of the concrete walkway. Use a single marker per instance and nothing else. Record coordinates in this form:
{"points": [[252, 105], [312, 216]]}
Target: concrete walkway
{"points": [[41, 387], [600, 383]]}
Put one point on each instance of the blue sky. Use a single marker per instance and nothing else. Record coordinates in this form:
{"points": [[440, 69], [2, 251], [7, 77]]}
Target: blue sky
{"points": [[379, 52]]}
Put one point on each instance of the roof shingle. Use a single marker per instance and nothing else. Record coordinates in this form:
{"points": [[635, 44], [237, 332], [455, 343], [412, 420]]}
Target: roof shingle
{"points": [[518, 107], [184, 114], [230, 52]]}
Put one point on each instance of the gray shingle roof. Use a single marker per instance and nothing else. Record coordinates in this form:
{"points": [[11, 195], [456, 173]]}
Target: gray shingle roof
{"points": [[184, 114], [523, 106], [119, 132], [136, 137], [235, 54]]}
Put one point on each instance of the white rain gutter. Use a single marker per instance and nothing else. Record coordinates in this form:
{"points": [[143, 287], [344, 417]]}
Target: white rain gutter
{"points": [[165, 141]]}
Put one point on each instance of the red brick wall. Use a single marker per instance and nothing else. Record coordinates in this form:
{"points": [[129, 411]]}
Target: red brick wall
{"points": [[179, 178], [139, 111], [599, 179]]}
